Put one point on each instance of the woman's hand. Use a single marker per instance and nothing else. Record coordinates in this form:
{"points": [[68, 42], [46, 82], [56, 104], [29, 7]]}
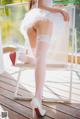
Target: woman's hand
{"points": [[55, 9], [65, 15], [62, 11]]}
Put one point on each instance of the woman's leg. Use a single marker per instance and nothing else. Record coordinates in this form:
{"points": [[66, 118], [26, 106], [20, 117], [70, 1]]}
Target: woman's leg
{"points": [[28, 58], [32, 33], [41, 52]]}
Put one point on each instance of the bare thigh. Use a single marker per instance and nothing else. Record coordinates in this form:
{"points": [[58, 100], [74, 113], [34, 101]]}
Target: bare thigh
{"points": [[32, 34], [44, 27], [41, 27]]}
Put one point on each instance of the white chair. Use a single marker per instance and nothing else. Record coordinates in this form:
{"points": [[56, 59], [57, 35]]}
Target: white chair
{"points": [[60, 54]]}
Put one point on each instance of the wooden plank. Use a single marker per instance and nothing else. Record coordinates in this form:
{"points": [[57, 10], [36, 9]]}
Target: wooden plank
{"points": [[66, 86], [75, 57], [63, 91], [26, 104], [26, 112], [10, 98], [16, 115], [12, 82], [50, 113], [9, 82], [12, 114], [11, 88], [67, 109], [20, 109], [8, 76], [48, 65], [9, 49]]}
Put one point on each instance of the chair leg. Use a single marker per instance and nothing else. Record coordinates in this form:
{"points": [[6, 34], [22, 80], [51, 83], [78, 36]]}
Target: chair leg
{"points": [[73, 50], [17, 86], [70, 89]]}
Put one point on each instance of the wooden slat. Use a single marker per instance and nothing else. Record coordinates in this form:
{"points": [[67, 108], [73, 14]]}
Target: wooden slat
{"points": [[48, 65], [15, 115], [8, 49], [24, 103], [63, 90], [55, 88], [10, 96], [11, 88], [58, 111], [60, 89], [74, 58], [16, 107], [51, 112], [67, 109], [12, 114]]}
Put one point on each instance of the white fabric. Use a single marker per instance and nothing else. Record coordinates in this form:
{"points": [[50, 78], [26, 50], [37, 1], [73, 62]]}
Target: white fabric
{"points": [[34, 15], [30, 18], [37, 14]]}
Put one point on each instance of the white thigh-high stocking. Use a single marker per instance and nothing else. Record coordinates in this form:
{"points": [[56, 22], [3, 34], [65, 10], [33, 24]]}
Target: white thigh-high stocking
{"points": [[41, 51]]}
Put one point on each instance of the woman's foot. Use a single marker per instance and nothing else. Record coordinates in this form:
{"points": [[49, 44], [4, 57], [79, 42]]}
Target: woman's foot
{"points": [[37, 107]]}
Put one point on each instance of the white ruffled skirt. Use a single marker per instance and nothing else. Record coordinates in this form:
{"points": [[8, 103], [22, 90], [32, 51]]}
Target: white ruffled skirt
{"points": [[30, 18], [37, 14], [60, 27]]}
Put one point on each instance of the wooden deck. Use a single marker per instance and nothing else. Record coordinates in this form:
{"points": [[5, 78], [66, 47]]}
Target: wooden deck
{"points": [[56, 86]]}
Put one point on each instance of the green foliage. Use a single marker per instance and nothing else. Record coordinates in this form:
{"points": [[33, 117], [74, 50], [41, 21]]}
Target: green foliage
{"points": [[12, 1], [10, 18], [6, 1], [65, 2], [2, 11], [7, 10]]}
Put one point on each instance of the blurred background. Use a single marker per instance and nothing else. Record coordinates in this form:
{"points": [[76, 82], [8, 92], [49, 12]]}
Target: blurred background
{"points": [[11, 16]]}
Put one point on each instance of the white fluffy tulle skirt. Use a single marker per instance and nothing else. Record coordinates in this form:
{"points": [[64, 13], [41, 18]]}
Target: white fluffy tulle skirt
{"points": [[31, 18], [60, 27], [37, 14]]}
